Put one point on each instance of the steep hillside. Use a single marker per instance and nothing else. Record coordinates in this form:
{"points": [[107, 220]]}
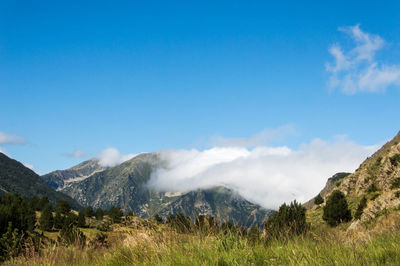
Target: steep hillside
{"points": [[16, 178], [377, 179], [125, 185]]}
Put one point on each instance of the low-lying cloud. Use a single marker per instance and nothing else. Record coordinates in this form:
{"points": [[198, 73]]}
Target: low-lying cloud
{"points": [[265, 175], [357, 69], [111, 157]]}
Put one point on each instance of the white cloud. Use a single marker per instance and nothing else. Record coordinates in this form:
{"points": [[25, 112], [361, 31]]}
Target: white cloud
{"points": [[265, 175], [357, 70], [111, 157], [10, 139], [77, 154]]}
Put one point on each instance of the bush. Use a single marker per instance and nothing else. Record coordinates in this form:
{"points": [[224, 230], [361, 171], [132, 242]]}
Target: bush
{"points": [[158, 218], [396, 183], [360, 208], [395, 159], [288, 220], [318, 200], [336, 209], [372, 188]]}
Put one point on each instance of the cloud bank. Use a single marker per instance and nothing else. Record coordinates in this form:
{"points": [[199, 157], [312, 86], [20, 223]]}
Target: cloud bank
{"points": [[265, 175], [111, 157], [357, 69]]}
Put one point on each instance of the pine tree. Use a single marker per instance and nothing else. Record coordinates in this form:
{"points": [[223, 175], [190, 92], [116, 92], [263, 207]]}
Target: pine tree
{"points": [[336, 209], [46, 220], [318, 200], [89, 212], [99, 214], [81, 219], [63, 207]]}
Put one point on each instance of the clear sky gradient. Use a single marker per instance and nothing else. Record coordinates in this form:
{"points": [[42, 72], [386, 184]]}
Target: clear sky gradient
{"points": [[145, 76]]}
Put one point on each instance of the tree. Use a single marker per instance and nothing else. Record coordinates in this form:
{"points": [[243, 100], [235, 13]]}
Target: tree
{"points": [[43, 202], [46, 220], [288, 220], [89, 212], [99, 214], [81, 219], [58, 220], [318, 200], [360, 208], [115, 214], [336, 209], [63, 207]]}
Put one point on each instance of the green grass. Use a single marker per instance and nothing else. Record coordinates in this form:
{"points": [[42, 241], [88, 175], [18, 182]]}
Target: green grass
{"points": [[169, 248]]}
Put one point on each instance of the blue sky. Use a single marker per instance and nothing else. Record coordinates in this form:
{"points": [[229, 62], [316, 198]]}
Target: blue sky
{"points": [[146, 76]]}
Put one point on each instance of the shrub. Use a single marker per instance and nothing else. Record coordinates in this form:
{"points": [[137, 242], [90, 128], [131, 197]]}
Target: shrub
{"points": [[158, 218], [396, 183], [395, 159], [372, 188], [360, 208], [288, 220], [397, 194], [336, 209], [318, 200]]}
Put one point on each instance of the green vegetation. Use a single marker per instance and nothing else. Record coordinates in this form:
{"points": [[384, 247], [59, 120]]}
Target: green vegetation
{"points": [[289, 220], [395, 159], [16, 178], [336, 209], [372, 188], [360, 208], [395, 183], [318, 200]]}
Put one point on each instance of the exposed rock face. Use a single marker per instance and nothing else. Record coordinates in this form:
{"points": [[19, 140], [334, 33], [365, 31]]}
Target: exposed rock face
{"points": [[377, 178], [125, 185]]}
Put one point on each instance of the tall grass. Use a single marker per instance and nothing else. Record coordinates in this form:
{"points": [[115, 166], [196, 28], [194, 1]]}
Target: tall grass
{"points": [[171, 248]]}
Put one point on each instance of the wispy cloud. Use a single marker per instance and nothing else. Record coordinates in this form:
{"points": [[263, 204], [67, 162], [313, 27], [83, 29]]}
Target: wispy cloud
{"points": [[76, 154], [11, 139], [259, 139], [111, 157], [358, 70], [265, 175]]}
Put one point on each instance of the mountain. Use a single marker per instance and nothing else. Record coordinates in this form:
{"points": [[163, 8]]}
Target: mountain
{"points": [[16, 178], [125, 185], [377, 179], [58, 179]]}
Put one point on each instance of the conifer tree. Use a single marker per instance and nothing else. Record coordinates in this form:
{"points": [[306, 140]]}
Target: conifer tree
{"points": [[46, 220], [336, 209]]}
